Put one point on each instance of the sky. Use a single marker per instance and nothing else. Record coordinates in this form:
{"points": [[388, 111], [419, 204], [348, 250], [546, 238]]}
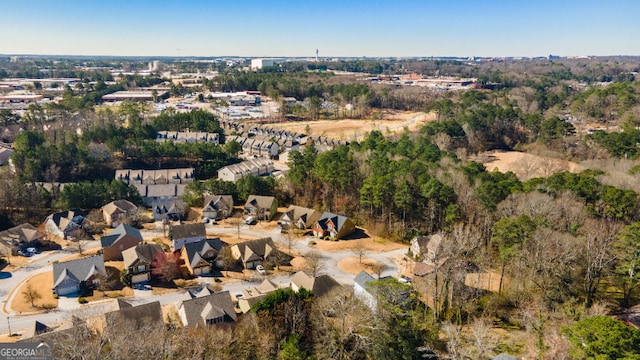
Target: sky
{"points": [[372, 28]]}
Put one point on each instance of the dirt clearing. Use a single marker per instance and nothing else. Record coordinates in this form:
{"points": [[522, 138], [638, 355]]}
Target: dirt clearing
{"points": [[354, 129], [526, 166], [352, 265]]}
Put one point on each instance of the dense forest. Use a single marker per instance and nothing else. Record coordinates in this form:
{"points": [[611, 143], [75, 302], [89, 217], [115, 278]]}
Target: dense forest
{"points": [[566, 245]]}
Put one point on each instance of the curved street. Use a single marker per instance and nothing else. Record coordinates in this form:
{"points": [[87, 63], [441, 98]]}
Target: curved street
{"points": [[69, 306]]}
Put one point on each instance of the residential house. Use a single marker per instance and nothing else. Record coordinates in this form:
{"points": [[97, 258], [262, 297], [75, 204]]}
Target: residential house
{"points": [[199, 257], [168, 209], [19, 237], [64, 223], [262, 207], [65, 333], [121, 238], [152, 194], [255, 167], [362, 289], [188, 137], [119, 211], [74, 276], [187, 233], [426, 247], [207, 310], [300, 217], [217, 206], [319, 285], [254, 252], [159, 177], [253, 295], [157, 185], [138, 260], [141, 317], [5, 155], [38, 328], [334, 226]]}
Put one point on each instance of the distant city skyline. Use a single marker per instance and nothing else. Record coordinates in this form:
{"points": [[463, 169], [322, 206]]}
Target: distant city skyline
{"points": [[372, 28]]}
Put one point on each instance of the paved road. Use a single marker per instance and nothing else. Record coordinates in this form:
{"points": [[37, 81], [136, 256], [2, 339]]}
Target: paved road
{"points": [[42, 263], [331, 257]]}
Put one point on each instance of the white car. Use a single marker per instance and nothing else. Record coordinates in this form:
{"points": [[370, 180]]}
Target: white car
{"points": [[260, 269]]}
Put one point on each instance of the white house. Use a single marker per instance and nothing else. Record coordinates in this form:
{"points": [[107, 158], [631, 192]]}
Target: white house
{"points": [[362, 289]]}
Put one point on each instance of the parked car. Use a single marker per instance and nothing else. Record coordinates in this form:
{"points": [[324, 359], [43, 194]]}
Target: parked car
{"points": [[405, 279], [251, 220], [260, 269]]}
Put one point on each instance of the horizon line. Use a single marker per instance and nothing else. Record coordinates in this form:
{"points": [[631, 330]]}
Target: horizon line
{"points": [[322, 57]]}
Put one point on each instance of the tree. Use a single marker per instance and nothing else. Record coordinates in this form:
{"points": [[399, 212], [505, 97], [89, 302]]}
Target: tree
{"points": [[125, 277], [314, 263], [166, 266], [232, 148], [628, 263], [7, 117], [598, 252], [378, 268], [227, 258], [31, 294], [601, 337], [509, 235], [360, 249], [404, 322], [255, 185], [314, 107], [291, 349]]}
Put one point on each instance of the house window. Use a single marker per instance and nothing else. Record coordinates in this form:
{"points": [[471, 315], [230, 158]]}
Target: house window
{"points": [[142, 268]]}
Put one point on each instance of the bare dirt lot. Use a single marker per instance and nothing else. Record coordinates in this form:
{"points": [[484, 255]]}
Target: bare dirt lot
{"points": [[353, 129], [526, 166], [352, 265], [370, 244]]}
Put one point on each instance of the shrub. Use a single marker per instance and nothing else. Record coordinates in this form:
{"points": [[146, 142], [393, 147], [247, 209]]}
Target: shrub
{"points": [[56, 296], [312, 242], [82, 300]]}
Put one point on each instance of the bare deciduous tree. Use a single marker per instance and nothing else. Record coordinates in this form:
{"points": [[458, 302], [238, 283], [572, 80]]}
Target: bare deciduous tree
{"points": [[31, 294], [598, 252], [314, 263], [360, 249]]}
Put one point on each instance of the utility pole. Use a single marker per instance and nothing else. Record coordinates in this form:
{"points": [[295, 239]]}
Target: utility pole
{"points": [[9, 325]]}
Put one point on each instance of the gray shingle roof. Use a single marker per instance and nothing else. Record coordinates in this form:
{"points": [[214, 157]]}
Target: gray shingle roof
{"points": [[78, 270], [363, 279], [262, 202], [337, 220], [258, 249], [194, 309], [188, 231], [144, 252], [119, 232], [195, 250], [141, 315]]}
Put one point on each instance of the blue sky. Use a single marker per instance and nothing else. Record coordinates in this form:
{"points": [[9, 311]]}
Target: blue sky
{"points": [[337, 28]]}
